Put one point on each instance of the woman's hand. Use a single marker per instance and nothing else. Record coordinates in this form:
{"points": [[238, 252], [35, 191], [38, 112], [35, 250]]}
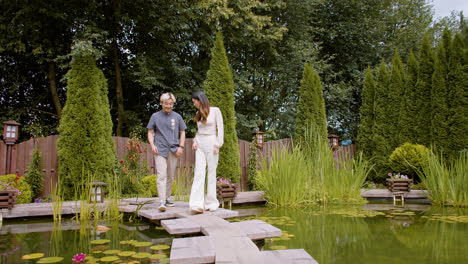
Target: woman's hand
{"points": [[194, 145], [215, 150]]}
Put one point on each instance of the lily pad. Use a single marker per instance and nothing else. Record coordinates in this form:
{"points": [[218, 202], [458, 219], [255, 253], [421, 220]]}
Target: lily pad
{"points": [[141, 255], [278, 247], [159, 228], [97, 251], [111, 251], [109, 259], [126, 253], [33, 256], [100, 241], [142, 244], [158, 256], [50, 260], [164, 260], [159, 247], [128, 242]]}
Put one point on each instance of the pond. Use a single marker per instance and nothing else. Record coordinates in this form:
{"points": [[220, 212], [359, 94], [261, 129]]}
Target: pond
{"points": [[371, 233]]}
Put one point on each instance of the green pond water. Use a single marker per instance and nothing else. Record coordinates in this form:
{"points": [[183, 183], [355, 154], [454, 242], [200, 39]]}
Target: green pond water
{"points": [[371, 233]]}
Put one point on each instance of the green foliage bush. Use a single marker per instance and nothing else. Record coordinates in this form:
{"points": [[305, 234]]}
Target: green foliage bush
{"points": [[408, 159], [34, 175], [150, 184], [18, 182]]}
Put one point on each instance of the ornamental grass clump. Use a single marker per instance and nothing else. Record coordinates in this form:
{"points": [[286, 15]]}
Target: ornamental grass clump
{"points": [[309, 174], [286, 178], [446, 181]]}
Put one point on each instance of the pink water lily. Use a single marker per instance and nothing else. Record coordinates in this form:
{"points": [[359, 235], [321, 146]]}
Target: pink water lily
{"points": [[79, 258]]}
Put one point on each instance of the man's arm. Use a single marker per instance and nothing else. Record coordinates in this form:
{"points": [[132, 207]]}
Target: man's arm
{"points": [[151, 141], [180, 150]]}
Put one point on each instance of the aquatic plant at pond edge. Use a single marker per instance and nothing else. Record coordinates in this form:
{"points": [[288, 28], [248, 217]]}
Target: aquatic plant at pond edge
{"points": [[286, 178], [446, 181]]}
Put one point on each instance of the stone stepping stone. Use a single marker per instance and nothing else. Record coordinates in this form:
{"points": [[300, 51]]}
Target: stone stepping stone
{"points": [[294, 256], [220, 212], [193, 250], [236, 250], [181, 226], [257, 229]]}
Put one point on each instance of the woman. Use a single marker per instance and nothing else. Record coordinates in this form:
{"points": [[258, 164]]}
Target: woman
{"points": [[208, 140]]}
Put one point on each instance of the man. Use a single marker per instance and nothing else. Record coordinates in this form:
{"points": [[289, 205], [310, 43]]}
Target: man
{"points": [[166, 135]]}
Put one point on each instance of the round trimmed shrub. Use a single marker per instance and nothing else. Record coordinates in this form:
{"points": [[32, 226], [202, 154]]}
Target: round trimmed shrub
{"points": [[21, 185], [408, 159], [150, 184]]}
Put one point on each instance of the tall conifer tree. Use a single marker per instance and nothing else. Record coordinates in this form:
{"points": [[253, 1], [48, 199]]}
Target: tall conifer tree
{"points": [[365, 135], [85, 146], [423, 93], [219, 87], [381, 134], [311, 105], [394, 101], [439, 95], [458, 96], [409, 108]]}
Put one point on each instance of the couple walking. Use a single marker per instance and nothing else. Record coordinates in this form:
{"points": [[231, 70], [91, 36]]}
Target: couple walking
{"points": [[166, 135]]}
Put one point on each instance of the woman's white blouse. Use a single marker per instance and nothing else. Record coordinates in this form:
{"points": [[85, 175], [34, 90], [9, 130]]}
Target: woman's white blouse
{"points": [[213, 126]]}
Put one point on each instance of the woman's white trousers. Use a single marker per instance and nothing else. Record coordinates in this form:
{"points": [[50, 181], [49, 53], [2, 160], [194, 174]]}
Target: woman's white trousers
{"points": [[204, 157]]}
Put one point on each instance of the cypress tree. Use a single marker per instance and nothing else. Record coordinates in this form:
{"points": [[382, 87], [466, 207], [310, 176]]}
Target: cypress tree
{"points": [[311, 105], [380, 136], [394, 102], [409, 110], [458, 97], [219, 87], [321, 119], [439, 96], [423, 93], [367, 111], [85, 146]]}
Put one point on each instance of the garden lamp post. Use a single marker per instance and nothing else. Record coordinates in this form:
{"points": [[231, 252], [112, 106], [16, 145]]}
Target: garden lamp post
{"points": [[10, 135], [259, 136], [333, 141]]}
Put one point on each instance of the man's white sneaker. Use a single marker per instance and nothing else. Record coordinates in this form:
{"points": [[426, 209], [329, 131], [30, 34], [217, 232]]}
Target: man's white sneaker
{"points": [[169, 203]]}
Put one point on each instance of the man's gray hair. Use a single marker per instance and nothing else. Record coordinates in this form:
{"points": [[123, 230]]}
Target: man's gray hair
{"points": [[166, 96]]}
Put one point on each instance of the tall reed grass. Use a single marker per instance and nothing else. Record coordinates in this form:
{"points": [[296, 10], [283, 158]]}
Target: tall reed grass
{"points": [[309, 174], [446, 181], [182, 185], [287, 179]]}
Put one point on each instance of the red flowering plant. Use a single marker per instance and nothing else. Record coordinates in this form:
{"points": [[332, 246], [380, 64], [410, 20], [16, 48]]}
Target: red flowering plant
{"points": [[131, 169]]}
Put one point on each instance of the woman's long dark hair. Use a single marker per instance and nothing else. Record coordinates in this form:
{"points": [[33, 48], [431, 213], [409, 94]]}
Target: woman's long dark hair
{"points": [[204, 109]]}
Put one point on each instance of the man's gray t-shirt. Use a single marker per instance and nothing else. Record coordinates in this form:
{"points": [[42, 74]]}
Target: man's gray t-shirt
{"points": [[166, 131]]}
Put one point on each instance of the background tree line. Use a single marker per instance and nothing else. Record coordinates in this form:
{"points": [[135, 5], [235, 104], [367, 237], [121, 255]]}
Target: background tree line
{"points": [[148, 47]]}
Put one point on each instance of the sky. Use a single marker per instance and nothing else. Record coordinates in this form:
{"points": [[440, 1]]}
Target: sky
{"points": [[444, 7]]}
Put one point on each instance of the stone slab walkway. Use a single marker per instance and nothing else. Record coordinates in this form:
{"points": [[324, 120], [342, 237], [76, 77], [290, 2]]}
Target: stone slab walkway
{"points": [[226, 242]]}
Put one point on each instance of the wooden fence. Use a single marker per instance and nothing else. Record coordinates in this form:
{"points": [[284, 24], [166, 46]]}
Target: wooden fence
{"points": [[22, 154]]}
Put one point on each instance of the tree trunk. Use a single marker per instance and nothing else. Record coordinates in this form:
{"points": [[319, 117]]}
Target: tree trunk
{"points": [[121, 119], [118, 89], [53, 89]]}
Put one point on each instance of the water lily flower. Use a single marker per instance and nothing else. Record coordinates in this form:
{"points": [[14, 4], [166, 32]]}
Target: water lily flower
{"points": [[79, 257]]}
